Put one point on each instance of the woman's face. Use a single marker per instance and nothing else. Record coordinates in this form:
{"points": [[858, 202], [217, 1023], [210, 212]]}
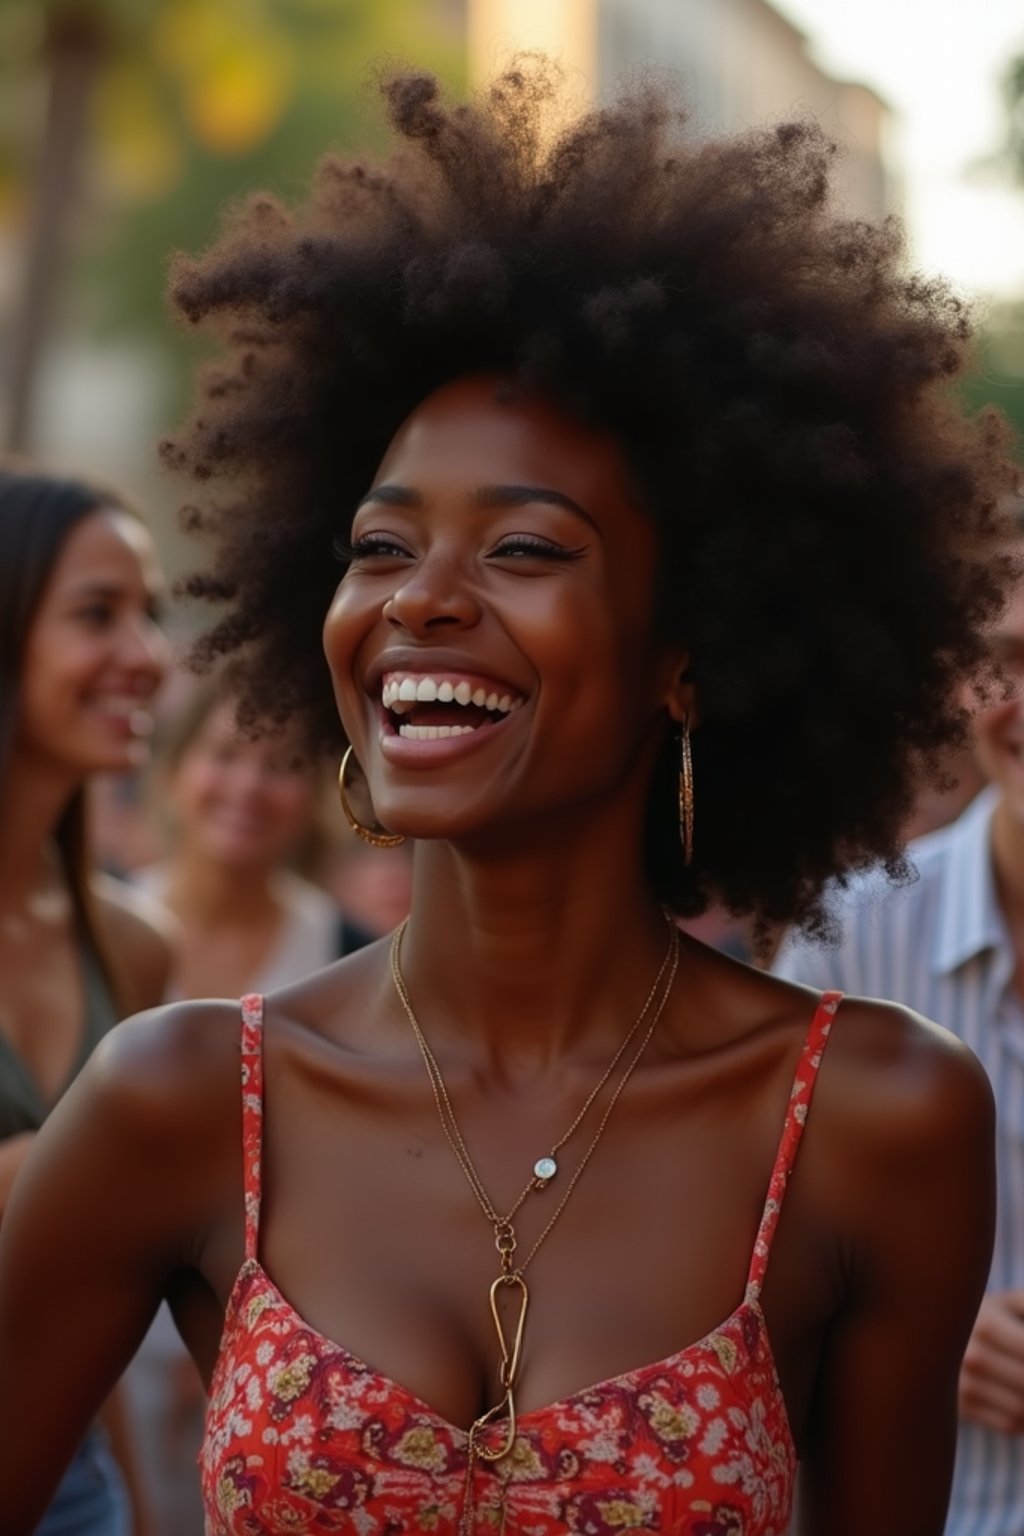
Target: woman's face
{"points": [[94, 654], [493, 644], [242, 803]]}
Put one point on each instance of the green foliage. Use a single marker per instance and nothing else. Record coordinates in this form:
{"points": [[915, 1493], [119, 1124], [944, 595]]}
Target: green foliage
{"points": [[196, 103], [999, 377]]}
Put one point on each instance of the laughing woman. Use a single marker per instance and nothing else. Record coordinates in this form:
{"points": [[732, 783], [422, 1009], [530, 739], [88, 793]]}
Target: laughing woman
{"points": [[80, 660], [661, 545]]}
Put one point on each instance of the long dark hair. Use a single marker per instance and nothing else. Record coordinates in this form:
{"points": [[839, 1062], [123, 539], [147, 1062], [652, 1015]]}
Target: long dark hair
{"points": [[37, 513]]}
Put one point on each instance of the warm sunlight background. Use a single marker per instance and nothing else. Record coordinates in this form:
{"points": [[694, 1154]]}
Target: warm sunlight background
{"points": [[126, 125]]}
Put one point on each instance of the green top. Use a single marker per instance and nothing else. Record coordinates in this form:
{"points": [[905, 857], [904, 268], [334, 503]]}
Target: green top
{"points": [[22, 1107]]}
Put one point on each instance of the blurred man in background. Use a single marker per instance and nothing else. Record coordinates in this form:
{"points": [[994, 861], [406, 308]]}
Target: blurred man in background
{"points": [[951, 946]]}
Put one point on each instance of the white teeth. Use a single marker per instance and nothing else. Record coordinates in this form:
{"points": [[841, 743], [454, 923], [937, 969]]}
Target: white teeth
{"points": [[433, 732], [401, 695]]}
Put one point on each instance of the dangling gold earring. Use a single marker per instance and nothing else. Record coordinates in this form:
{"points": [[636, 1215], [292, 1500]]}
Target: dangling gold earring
{"points": [[368, 834], [686, 792]]}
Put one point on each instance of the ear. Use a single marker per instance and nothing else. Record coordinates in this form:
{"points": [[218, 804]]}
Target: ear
{"points": [[681, 694]]}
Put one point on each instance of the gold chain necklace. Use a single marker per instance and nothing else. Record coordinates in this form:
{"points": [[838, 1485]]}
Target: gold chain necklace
{"points": [[504, 1231]]}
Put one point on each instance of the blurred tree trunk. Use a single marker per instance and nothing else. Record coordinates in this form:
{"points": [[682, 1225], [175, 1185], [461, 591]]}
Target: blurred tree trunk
{"points": [[74, 45]]}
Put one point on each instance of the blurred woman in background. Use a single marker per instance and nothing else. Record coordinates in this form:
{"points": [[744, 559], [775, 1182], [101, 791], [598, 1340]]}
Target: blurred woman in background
{"points": [[241, 806], [82, 656]]}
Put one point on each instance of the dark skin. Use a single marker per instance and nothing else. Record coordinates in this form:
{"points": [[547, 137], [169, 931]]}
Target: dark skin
{"points": [[533, 943]]}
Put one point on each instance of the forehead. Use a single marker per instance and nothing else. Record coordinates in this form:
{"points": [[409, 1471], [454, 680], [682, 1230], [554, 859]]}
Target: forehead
{"points": [[106, 545], [220, 726], [475, 432]]}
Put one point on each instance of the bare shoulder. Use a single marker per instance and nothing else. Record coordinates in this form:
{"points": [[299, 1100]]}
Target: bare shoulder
{"points": [[144, 1146], [140, 936], [898, 1090], [172, 1066]]}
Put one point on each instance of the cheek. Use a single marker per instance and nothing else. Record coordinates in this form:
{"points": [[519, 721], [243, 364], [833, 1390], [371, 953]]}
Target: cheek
{"points": [[195, 784], [46, 701], [350, 619], [292, 806], [345, 626], [991, 726]]}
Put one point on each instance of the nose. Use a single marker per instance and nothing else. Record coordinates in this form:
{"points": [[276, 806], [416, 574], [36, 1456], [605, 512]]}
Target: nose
{"points": [[146, 652], [432, 596]]}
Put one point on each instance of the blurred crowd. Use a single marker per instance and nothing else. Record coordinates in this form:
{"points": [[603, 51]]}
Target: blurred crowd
{"points": [[234, 831]]}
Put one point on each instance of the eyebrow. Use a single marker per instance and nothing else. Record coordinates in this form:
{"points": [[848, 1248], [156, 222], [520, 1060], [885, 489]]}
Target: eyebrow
{"points": [[483, 496], [109, 590], [89, 588]]}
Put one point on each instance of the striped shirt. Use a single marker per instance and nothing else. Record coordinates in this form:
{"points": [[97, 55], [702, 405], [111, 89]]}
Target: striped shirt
{"points": [[941, 947]]}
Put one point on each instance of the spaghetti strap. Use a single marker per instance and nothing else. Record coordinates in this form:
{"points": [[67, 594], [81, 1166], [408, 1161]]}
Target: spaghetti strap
{"points": [[792, 1130], [252, 1118]]}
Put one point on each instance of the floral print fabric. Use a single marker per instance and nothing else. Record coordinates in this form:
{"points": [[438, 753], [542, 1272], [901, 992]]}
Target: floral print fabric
{"points": [[303, 1437]]}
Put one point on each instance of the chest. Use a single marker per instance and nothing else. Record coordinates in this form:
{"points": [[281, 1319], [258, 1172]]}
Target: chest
{"points": [[370, 1229], [42, 1010], [690, 1445]]}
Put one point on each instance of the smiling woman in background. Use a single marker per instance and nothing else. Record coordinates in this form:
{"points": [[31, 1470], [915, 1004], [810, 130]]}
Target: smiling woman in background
{"points": [[237, 805], [240, 806], [81, 657], [661, 543]]}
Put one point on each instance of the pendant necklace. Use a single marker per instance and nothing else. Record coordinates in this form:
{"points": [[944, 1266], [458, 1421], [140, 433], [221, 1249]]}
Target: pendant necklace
{"points": [[544, 1170]]}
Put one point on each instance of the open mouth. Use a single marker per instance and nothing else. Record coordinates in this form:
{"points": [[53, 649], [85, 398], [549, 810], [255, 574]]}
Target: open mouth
{"points": [[425, 707]]}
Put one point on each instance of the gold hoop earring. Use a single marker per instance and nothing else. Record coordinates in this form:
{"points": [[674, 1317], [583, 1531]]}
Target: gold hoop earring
{"points": [[368, 834], [686, 792]]}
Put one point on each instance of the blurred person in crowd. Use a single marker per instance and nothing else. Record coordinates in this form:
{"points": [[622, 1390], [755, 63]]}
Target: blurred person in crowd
{"points": [[951, 945], [946, 795], [649, 495], [81, 657], [372, 886], [238, 806], [125, 834]]}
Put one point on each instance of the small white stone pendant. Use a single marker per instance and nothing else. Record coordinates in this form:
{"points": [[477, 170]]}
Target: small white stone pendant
{"points": [[544, 1170]]}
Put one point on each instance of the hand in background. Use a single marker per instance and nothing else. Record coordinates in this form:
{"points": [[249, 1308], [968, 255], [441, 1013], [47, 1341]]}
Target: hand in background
{"points": [[992, 1374]]}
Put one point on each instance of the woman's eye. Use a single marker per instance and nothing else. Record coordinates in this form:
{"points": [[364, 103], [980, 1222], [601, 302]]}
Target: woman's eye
{"points": [[523, 546], [368, 547], [96, 615]]}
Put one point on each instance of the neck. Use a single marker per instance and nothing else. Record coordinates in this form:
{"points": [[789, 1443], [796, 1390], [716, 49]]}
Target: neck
{"points": [[202, 891], [30, 811], [521, 958]]}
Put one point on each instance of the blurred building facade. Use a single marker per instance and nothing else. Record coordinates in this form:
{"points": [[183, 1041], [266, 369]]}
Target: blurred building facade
{"points": [[740, 64]]}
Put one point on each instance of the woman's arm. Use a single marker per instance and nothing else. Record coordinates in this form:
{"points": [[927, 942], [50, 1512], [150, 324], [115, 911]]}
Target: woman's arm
{"points": [[128, 1175], [912, 1168], [13, 1152]]}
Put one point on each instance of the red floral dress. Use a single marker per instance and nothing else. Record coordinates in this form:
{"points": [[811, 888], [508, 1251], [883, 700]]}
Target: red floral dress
{"points": [[304, 1437]]}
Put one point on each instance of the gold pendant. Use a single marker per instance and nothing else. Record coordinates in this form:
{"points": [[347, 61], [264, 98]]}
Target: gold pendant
{"points": [[508, 1370]]}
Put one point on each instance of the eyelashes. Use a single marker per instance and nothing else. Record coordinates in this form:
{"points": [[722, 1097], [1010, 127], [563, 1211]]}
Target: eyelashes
{"points": [[525, 545], [514, 546]]}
